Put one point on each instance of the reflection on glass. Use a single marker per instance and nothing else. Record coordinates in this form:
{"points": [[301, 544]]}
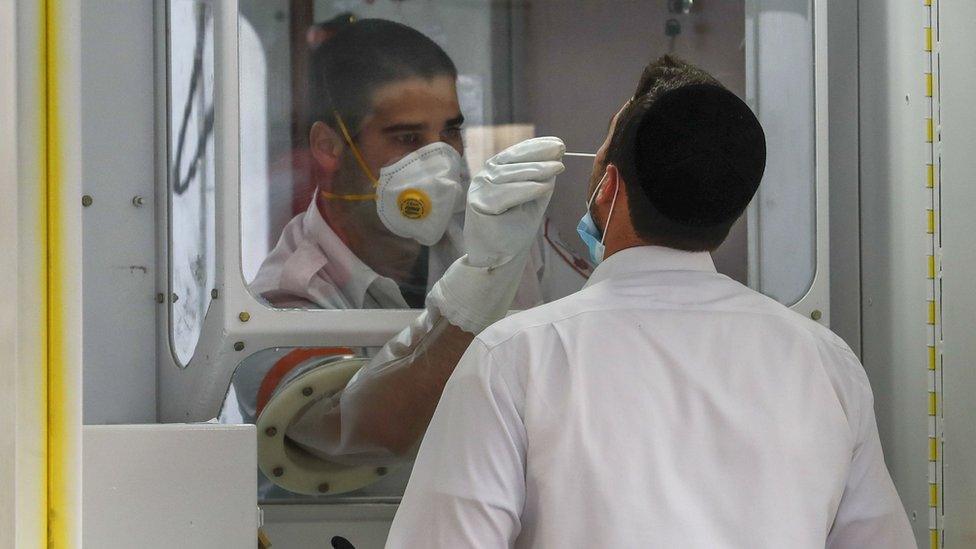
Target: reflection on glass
{"points": [[191, 171], [323, 118], [257, 380]]}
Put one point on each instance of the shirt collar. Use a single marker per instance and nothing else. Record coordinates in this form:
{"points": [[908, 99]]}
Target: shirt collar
{"points": [[346, 271], [649, 259]]}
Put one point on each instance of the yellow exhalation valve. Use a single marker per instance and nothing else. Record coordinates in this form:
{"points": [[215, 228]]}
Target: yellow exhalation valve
{"points": [[414, 204]]}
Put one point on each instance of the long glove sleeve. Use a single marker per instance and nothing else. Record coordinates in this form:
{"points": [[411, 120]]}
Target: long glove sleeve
{"points": [[383, 412]]}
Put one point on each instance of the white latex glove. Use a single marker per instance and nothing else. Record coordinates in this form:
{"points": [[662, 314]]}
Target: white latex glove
{"points": [[506, 204]]}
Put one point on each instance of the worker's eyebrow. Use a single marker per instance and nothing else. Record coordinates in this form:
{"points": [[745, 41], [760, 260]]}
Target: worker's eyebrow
{"points": [[397, 128]]}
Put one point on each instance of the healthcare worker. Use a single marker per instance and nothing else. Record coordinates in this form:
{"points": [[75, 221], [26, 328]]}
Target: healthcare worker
{"points": [[664, 405], [395, 224]]}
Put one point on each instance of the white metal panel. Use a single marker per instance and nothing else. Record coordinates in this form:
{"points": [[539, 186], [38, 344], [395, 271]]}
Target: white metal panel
{"points": [[119, 235], [844, 219], [9, 363], [816, 302], [26, 371], [893, 240], [165, 486], [956, 227], [65, 323]]}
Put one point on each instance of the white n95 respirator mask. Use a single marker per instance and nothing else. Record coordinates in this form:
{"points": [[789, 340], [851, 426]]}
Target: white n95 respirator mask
{"points": [[416, 196]]}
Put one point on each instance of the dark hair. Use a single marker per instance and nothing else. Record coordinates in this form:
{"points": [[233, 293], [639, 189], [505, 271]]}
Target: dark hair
{"points": [[691, 155], [361, 56]]}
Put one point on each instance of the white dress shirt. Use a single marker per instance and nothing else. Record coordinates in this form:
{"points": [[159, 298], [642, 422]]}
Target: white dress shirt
{"points": [[664, 405], [311, 267]]}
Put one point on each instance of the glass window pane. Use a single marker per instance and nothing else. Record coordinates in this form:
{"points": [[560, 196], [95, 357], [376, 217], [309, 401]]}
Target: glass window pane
{"points": [[311, 233], [782, 92], [191, 171], [578, 61]]}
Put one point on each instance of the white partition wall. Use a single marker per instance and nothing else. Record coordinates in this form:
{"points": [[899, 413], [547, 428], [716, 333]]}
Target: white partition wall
{"points": [[955, 134], [15, 446], [119, 176], [893, 201]]}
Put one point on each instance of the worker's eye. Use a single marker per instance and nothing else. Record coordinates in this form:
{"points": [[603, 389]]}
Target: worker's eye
{"points": [[411, 139]]}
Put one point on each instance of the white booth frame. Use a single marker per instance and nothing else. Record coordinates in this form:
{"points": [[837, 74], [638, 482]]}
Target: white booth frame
{"points": [[195, 392]]}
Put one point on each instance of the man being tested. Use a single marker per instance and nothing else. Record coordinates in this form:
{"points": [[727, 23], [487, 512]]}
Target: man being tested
{"points": [[664, 405]]}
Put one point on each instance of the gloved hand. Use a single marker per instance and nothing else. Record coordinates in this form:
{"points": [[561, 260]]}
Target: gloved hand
{"points": [[506, 204]]}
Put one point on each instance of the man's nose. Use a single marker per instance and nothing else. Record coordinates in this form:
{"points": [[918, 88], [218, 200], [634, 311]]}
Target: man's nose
{"points": [[433, 137], [439, 138]]}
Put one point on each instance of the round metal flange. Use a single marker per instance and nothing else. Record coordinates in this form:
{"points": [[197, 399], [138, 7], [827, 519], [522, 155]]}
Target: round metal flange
{"points": [[284, 462]]}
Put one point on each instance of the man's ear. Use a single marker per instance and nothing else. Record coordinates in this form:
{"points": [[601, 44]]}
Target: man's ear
{"points": [[611, 187], [326, 146]]}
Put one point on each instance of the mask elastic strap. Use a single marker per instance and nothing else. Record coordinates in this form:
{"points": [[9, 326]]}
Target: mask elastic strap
{"points": [[359, 160], [348, 197], [610, 215], [589, 203]]}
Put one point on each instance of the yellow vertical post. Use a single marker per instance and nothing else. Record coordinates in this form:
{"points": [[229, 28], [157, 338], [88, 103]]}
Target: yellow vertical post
{"points": [[60, 201]]}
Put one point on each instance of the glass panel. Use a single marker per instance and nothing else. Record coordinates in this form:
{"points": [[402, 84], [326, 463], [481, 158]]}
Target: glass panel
{"points": [[191, 171], [781, 90], [526, 68], [256, 380], [606, 44]]}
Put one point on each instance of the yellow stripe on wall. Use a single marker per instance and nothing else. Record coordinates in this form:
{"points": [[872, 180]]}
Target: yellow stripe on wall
{"points": [[928, 38], [60, 514]]}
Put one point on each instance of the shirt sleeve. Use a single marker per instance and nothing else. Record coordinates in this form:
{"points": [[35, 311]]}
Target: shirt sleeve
{"points": [[468, 483], [870, 514]]}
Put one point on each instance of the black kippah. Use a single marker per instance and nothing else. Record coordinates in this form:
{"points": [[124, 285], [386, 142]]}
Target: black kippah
{"points": [[700, 155]]}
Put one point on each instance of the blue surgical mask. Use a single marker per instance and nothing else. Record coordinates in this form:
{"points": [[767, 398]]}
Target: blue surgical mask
{"points": [[591, 237], [589, 233]]}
